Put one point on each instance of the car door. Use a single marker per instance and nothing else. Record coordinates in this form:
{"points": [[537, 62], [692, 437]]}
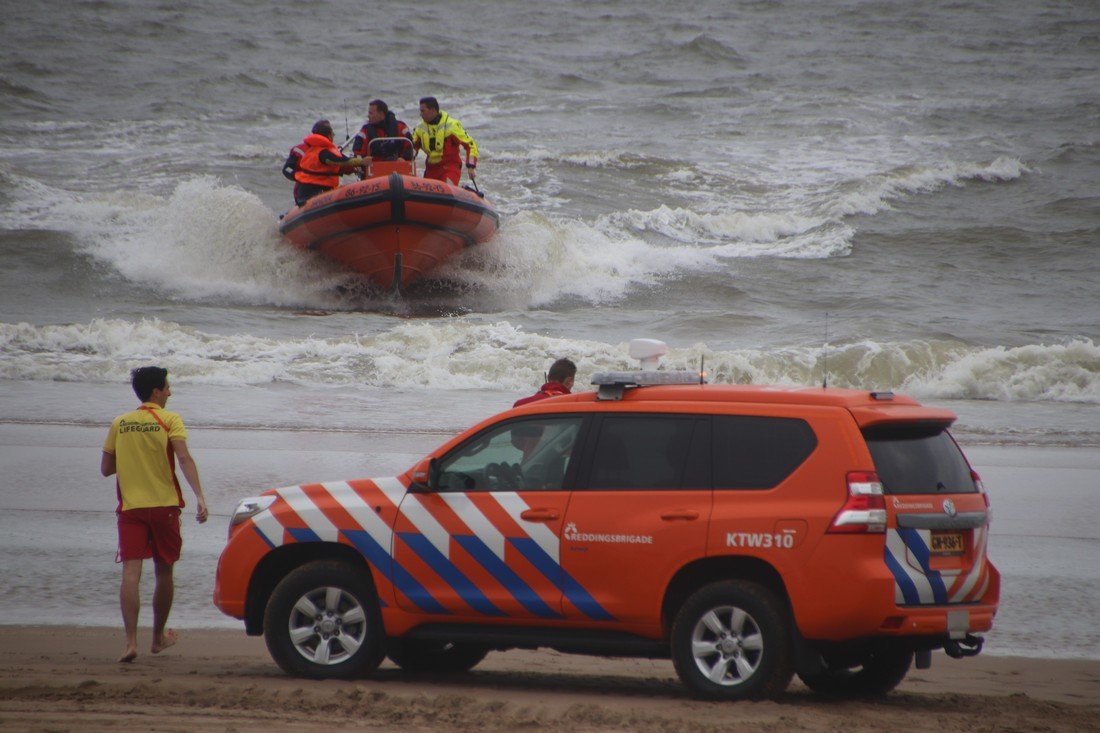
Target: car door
{"points": [[640, 513], [485, 540]]}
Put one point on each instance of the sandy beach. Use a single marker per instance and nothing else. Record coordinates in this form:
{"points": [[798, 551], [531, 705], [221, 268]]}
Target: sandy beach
{"points": [[67, 679], [63, 676]]}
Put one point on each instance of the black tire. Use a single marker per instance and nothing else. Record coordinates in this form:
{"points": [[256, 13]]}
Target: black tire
{"points": [[873, 675], [322, 622], [434, 657], [731, 640]]}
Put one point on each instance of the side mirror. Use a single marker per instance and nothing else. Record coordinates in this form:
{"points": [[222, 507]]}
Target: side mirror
{"points": [[425, 476], [433, 474]]}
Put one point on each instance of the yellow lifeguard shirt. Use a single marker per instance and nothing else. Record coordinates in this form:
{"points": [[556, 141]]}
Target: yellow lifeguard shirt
{"points": [[141, 441]]}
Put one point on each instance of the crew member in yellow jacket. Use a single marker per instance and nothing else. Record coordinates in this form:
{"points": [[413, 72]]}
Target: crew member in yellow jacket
{"points": [[440, 136]]}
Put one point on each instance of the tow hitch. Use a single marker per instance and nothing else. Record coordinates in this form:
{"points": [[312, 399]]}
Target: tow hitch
{"points": [[968, 646]]}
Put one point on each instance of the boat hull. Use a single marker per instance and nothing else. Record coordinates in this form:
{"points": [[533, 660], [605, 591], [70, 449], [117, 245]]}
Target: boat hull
{"points": [[392, 229]]}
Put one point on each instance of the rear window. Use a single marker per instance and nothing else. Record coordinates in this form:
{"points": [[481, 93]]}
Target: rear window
{"points": [[914, 459]]}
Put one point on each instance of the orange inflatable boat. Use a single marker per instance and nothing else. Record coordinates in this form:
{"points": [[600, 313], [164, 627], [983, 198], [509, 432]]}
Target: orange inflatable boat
{"points": [[392, 227]]}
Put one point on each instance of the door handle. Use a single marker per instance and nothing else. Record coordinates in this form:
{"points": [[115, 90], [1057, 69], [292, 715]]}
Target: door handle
{"points": [[539, 515], [675, 514]]}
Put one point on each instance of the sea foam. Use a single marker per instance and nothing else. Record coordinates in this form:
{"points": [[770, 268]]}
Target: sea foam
{"points": [[454, 353]]}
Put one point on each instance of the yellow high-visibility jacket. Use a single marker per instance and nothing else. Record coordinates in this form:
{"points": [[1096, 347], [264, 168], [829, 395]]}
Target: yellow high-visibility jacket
{"points": [[442, 140]]}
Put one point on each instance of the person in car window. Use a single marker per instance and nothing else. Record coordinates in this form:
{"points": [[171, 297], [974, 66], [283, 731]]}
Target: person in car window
{"points": [[142, 448], [559, 381]]}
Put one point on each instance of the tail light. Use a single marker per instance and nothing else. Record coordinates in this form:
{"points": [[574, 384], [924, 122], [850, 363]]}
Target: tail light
{"points": [[865, 510]]}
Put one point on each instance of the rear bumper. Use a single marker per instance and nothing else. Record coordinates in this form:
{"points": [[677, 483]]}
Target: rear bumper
{"points": [[944, 622], [860, 600]]}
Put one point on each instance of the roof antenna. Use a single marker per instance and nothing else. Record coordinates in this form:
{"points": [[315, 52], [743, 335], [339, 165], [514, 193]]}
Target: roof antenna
{"points": [[825, 355]]}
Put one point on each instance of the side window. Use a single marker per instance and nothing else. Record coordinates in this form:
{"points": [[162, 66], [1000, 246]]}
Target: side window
{"points": [[650, 452], [521, 455], [753, 452]]}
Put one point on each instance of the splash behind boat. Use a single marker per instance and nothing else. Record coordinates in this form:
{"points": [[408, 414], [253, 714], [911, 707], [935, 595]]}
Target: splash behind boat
{"points": [[392, 227]]}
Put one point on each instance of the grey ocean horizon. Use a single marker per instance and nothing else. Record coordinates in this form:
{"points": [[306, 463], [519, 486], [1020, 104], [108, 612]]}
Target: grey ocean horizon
{"points": [[887, 195]]}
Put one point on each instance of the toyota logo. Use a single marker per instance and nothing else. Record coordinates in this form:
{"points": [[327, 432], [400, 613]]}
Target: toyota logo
{"points": [[949, 508]]}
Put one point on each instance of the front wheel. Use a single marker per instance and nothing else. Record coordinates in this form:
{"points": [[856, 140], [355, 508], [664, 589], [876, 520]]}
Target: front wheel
{"points": [[872, 675], [731, 641], [323, 622]]}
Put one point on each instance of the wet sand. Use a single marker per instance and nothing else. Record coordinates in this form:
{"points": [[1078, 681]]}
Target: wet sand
{"points": [[61, 678]]}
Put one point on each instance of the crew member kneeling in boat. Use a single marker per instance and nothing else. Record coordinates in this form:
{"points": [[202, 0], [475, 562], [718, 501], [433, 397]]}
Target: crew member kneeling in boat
{"points": [[321, 164], [381, 122], [440, 136]]}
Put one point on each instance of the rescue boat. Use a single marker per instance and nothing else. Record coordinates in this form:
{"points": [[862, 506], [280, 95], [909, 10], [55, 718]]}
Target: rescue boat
{"points": [[392, 227]]}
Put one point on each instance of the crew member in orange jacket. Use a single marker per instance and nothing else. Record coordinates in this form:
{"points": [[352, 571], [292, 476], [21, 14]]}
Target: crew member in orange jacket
{"points": [[381, 122], [321, 165], [440, 136], [559, 380]]}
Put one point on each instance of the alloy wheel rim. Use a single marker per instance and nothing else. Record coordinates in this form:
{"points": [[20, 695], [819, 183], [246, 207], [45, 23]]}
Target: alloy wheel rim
{"points": [[327, 625], [727, 645]]}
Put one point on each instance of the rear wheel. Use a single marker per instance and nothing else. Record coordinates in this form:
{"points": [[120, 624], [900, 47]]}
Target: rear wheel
{"points": [[323, 622], [731, 641], [434, 657], [871, 675]]}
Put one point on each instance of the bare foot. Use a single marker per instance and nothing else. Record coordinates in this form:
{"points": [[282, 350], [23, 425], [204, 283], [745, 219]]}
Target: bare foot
{"points": [[129, 656], [167, 639]]}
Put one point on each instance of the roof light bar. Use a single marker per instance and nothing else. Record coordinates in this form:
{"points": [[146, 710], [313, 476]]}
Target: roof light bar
{"points": [[645, 378], [612, 384], [649, 353]]}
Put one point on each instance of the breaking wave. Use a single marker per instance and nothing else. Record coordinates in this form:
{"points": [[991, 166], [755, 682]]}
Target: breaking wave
{"points": [[457, 354]]}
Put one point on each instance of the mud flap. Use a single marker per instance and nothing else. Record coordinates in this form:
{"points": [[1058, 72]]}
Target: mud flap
{"points": [[807, 660]]}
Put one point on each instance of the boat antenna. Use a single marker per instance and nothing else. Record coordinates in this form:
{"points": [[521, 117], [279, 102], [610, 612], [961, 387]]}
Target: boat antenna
{"points": [[825, 355], [702, 368], [347, 127]]}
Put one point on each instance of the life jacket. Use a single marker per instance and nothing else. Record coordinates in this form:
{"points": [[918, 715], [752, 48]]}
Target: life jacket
{"points": [[433, 139], [390, 127], [310, 168]]}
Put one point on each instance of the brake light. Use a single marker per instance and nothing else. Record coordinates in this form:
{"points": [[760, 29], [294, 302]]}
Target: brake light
{"points": [[865, 510]]}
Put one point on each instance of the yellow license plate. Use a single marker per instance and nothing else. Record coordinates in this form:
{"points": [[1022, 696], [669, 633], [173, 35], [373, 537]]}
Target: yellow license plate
{"points": [[948, 543]]}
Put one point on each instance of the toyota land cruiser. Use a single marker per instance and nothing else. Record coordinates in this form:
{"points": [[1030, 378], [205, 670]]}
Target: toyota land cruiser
{"points": [[748, 533]]}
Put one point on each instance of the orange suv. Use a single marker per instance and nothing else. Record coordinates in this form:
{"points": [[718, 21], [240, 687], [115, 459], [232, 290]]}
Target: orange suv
{"points": [[748, 533]]}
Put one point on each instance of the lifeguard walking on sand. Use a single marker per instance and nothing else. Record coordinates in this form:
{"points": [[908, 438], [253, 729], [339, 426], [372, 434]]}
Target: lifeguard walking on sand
{"points": [[142, 447]]}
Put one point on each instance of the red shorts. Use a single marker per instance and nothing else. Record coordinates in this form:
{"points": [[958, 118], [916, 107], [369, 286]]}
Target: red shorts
{"points": [[152, 532]]}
